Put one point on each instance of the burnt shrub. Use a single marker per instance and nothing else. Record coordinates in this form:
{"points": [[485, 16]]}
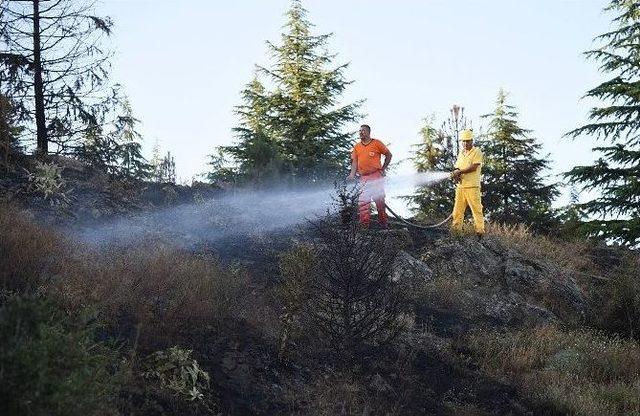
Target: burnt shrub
{"points": [[339, 291]]}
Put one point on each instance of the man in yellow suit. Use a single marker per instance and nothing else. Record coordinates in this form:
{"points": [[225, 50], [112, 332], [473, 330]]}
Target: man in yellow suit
{"points": [[467, 176]]}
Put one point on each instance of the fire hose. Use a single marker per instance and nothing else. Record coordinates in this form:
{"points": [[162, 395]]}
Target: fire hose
{"points": [[423, 227]]}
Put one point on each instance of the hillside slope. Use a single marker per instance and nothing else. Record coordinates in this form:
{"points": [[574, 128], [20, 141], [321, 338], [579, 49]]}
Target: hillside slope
{"points": [[511, 324]]}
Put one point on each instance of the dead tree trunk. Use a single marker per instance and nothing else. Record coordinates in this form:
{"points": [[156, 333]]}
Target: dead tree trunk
{"points": [[41, 127]]}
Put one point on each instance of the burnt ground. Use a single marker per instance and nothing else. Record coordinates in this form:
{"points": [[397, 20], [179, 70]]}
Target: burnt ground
{"points": [[244, 366], [449, 382]]}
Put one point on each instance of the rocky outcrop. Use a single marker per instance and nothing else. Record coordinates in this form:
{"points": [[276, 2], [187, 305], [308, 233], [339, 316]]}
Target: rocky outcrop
{"points": [[486, 281]]}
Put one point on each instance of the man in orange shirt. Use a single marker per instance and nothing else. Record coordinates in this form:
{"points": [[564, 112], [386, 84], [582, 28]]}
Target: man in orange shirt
{"points": [[365, 160]]}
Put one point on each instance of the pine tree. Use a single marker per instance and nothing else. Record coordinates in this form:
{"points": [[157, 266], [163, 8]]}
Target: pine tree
{"points": [[615, 213], [162, 169], [99, 150], [571, 216], [166, 172], [514, 187], [437, 151], [9, 131], [258, 155], [132, 165], [54, 64], [222, 172], [155, 162], [308, 118], [297, 128], [434, 153]]}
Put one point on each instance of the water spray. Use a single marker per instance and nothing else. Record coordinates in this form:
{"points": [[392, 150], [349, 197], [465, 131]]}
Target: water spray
{"points": [[243, 213]]}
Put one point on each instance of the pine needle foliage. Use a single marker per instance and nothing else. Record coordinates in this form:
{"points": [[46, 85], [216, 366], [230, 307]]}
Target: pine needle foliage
{"points": [[293, 124], [614, 214], [515, 189]]}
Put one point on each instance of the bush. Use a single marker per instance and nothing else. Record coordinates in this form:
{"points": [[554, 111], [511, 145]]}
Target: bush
{"points": [[50, 363], [297, 267], [581, 373], [169, 382], [47, 181], [342, 291], [175, 370], [30, 255]]}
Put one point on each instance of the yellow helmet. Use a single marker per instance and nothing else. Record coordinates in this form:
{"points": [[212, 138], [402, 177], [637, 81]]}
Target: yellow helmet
{"points": [[466, 135]]}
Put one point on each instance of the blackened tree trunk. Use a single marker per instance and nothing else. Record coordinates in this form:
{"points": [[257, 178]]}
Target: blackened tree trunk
{"points": [[41, 126]]}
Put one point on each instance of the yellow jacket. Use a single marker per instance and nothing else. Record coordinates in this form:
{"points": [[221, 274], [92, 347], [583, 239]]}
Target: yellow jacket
{"points": [[467, 158]]}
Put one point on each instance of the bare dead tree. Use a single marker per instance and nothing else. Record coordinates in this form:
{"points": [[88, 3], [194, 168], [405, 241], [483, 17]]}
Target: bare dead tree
{"points": [[55, 69], [452, 127]]}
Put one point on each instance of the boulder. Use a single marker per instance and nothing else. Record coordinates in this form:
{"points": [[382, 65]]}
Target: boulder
{"points": [[488, 281]]}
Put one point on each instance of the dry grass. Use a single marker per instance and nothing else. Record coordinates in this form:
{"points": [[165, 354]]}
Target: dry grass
{"points": [[570, 255], [618, 299], [446, 293], [30, 255], [157, 289], [581, 373], [336, 394], [150, 293]]}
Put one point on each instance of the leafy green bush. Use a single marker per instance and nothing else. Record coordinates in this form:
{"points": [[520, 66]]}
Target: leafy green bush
{"points": [[47, 180], [175, 370], [168, 382], [50, 363]]}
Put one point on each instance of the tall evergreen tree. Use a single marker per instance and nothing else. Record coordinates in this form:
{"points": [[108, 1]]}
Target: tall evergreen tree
{"points": [[258, 154], [514, 185], [9, 131], [614, 213], [132, 165], [434, 152], [297, 127], [437, 151], [54, 66]]}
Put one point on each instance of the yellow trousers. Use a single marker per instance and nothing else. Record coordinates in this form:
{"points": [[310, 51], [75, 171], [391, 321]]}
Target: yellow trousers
{"points": [[467, 197]]}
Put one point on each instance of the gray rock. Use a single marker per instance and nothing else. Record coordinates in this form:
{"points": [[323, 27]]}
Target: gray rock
{"points": [[494, 282], [407, 267]]}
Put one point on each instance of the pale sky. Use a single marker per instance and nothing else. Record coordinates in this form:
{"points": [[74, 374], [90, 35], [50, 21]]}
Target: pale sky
{"points": [[183, 64]]}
